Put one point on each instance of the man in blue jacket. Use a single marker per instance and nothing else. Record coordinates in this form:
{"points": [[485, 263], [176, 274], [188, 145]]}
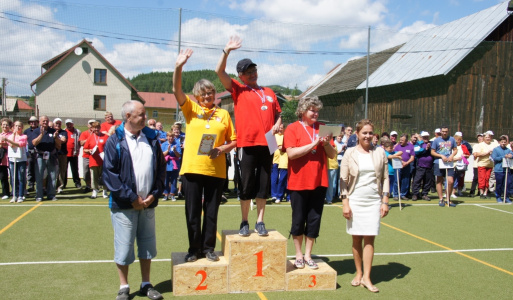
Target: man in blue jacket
{"points": [[133, 171]]}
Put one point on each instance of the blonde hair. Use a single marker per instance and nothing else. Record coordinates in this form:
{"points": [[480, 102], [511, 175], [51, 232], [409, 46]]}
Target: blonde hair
{"points": [[306, 103]]}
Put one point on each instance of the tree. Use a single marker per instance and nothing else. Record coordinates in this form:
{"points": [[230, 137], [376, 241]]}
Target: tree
{"points": [[288, 112]]}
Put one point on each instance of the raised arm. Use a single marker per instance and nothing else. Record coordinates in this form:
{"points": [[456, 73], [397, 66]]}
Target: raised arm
{"points": [[235, 42], [182, 58]]}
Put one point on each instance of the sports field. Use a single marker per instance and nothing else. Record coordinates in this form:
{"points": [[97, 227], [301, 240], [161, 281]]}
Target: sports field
{"points": [[64, 250]]}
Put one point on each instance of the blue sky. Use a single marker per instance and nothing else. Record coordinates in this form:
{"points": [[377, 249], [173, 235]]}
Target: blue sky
{"points": [[294, 42]]}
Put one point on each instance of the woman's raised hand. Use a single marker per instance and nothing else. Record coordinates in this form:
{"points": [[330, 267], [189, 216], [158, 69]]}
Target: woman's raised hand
{"points": [[183, 56], [235, 42]]}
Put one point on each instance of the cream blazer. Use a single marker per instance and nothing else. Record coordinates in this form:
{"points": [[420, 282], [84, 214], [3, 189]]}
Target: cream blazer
{"points": [[349, 170]]}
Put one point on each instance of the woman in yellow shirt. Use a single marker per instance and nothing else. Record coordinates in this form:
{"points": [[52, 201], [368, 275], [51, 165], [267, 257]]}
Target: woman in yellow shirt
{"points": [[210, 134]]}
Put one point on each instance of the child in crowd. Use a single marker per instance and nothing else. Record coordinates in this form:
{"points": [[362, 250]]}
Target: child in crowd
{"points": [[391, 154]]}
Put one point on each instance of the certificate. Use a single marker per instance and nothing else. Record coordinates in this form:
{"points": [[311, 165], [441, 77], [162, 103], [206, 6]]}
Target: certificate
{"points": [[325, 130], [14, 152], [445, 165], [271, 141], [506, 162], [397, 163], [206, 144]]}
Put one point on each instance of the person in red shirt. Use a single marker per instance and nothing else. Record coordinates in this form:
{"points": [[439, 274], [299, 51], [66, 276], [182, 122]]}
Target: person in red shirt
{"points": [[257, 112], [85, 157], [73, 146], [308, 176], [109, 122], [94, 147]]}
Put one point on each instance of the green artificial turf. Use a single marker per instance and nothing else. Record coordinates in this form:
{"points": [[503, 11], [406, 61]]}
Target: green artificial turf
{"points": [[67, 249]]}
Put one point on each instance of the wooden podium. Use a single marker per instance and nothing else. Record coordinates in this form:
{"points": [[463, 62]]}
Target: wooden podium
{"points": [[249, 264]]}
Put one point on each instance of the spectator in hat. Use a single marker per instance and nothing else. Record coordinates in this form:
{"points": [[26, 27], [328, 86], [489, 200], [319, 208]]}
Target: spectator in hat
{"points": [[86, 171], [94, 146], [46, 143], [424, 170], [443, 149], [18, 163], [62, 156], [73, 146], [257, 112], [31, 154], [438, 133], [109, 122], [393, 137], [475, 178]]}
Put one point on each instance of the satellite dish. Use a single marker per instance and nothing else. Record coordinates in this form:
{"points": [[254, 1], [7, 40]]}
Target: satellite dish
{"points": [[78, 51]]}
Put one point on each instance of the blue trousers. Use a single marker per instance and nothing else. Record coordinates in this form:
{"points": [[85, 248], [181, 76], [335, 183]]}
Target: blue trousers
{"points": [[332, 185], [278, 182], [18, 187], [499, 184], [404, 178], [170, 186]]}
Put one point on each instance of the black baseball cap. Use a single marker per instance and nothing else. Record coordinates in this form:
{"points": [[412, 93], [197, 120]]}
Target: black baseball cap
{"points": [[244, 64]]}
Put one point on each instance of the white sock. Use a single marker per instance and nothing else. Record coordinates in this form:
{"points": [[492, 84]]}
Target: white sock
{"points": [[124, 286], [144, 283]]}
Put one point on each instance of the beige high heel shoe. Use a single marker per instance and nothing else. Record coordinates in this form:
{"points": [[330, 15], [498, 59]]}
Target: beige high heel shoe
{"points": [[371, 288]]}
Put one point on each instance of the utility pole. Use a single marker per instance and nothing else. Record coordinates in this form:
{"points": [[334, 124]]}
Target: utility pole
{"points": [[179, 48], [3, 96]]}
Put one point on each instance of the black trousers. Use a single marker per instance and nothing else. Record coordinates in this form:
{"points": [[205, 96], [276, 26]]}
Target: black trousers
{"points": [[73, 163], [307, 207], [474, 182], [4, 178], [31, 171], [194, 188], [423, 178]]}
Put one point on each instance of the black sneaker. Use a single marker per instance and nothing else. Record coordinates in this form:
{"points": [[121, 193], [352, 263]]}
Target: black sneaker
{"points": [[149, 291], [260, 228], [244, 228], [78, 185], [426, 197], [191, 257], [212, 256], [414, 198], [482, 196], [123, 294]]}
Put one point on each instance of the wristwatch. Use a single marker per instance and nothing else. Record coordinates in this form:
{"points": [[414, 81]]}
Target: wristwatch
{"points": [[343, 197], [386, 194]]}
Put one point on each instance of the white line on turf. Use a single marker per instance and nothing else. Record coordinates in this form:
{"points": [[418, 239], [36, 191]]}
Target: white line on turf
{"points": [[504, 211], [289, 256]]}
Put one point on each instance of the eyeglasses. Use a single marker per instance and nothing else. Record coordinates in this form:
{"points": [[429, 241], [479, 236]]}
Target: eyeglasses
{"points": [[207, 94], [313, 111]]}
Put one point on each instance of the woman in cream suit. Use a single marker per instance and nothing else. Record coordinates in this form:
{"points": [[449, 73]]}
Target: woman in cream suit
{"points": [[364, 192]]}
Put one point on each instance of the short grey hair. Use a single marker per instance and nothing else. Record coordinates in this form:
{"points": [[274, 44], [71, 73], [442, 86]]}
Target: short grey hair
{"points": [[306, 103], [201, 86], [127, 108]]}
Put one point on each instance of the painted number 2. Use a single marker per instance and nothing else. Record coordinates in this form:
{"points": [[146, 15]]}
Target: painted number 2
{"points": [[260, 258], [203, 274], [314, 282]]}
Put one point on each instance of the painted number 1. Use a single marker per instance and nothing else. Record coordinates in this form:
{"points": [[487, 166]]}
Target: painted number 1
{"points": [[260, 258], [203, 274], [314, 282]]}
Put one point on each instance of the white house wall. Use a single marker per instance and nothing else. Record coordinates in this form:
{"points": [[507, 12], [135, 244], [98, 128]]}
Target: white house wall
{"points": [[68, 90]]}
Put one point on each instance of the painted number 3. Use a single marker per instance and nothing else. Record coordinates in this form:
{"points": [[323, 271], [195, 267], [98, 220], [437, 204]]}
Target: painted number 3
{"points": [[313, 282], [203, 274]]}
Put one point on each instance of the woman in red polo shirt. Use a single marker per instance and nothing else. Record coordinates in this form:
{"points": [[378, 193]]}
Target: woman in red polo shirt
{"points": [[94, 146], [308, 176]]}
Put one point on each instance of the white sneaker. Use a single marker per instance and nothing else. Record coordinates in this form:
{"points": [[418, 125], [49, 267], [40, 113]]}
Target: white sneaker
{"points": [[464, 188], [94, 194], [54, 199], [277, 201], [164, 197], [59, 190], [5, 197], [173, 198], [13, 199], [454, 196], [21, 199], [105, 194], [39, 199]]}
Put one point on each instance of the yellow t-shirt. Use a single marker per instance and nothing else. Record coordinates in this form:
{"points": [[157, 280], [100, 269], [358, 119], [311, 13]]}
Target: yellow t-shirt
{"points": [[332, 163], [279, 142], [220, 124]]}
